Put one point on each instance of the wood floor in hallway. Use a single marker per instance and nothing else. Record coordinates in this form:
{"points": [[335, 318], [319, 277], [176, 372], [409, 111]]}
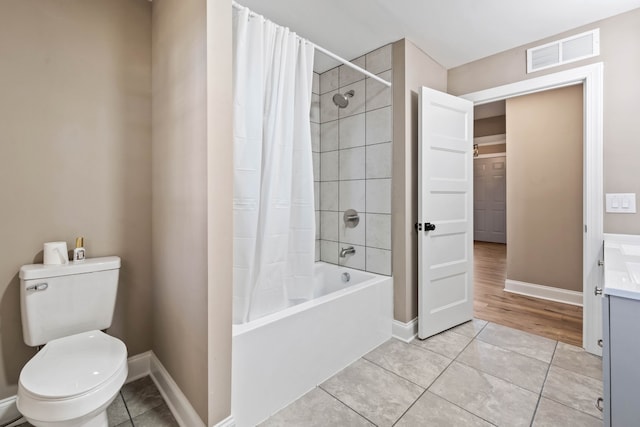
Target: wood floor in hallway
{"points": [[549, 319]]}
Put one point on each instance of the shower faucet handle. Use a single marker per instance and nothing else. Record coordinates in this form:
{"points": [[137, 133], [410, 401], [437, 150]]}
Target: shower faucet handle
{"points": [[351, 218]]}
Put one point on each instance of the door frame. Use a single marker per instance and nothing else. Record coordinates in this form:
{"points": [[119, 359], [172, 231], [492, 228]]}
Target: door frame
{"points": [[591, 77]]}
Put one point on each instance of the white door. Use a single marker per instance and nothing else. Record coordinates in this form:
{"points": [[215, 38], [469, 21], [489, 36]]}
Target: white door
{"points": [[445, 212], [490, 199]]}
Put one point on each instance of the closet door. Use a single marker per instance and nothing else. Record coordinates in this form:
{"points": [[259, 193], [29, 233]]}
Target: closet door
{"points": [[490, 199]]}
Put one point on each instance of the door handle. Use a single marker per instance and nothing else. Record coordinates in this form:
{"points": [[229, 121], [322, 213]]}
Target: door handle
{"points": [[429, 227]]}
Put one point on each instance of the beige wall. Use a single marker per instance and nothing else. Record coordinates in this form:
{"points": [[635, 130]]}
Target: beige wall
{"points": [[75, 146], [220, 203], [179, 186], [76, 159], [621, 58], [412, 69], [489, 126], [544, 188]]}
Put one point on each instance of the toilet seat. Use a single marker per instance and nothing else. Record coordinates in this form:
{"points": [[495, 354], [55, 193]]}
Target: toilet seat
{"points": [[72, 377]]}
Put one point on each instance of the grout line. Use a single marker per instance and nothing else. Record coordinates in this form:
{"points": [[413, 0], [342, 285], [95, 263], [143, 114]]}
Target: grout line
{"points": [[341, 402], [390, 106], [456, 360], [402, 378], [433, 382], [571, 408], [561, 403], [126, 407], [356, 244], [397, 374], [411, 406], [535, 411], [338, 399], [464, 348], [465, 410]]}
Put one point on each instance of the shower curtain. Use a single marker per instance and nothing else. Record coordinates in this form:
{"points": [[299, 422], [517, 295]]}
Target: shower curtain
{"points": [[274, 218]]}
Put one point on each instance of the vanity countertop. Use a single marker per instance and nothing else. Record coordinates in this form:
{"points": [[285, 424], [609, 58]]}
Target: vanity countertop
{"points": [[622, 265]]}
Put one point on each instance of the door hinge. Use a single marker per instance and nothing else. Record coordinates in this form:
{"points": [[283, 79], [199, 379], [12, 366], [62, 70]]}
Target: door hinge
{"points": [[418, 226]]}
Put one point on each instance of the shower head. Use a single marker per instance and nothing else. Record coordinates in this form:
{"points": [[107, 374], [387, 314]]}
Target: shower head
{"points": [[342, 100]]}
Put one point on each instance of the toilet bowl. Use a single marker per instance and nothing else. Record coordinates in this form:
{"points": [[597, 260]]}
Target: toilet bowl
{"points": [[72, 380]]}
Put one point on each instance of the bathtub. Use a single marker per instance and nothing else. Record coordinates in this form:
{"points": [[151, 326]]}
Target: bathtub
{"points": [[279, 357]]}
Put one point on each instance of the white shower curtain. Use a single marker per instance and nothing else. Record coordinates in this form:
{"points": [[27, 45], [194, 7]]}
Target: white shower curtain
{"points": [[274, 219]]}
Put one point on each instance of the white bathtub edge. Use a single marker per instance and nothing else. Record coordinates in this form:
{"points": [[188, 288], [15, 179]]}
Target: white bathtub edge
{"points": [[290, 356], [404, 331], [239, 329]]}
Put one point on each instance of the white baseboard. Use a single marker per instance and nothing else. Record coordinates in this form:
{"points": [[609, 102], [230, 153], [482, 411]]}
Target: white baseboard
{"points": [[227, 422], [9, 412], [180, 406], [404, 331], [543, 292], [139, 366], [147, 363]]}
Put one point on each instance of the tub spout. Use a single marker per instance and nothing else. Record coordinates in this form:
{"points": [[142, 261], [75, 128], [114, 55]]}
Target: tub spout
{"points": [[346, 251]]}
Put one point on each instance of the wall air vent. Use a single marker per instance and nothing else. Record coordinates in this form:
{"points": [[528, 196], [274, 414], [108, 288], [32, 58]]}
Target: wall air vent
{"points": [[570, 49]]}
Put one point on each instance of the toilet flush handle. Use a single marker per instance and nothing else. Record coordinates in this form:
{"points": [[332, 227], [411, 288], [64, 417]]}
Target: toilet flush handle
{"points": [[38, 287]]}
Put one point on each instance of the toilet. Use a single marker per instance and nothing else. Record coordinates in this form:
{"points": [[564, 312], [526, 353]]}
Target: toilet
{"points": [[72, 380]]}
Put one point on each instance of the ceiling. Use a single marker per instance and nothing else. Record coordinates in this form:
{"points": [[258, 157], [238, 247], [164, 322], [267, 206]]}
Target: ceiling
{"points": [[453, 32]]}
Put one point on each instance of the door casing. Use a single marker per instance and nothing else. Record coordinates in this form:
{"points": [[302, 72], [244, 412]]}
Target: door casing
{"points": [[591, 77]]}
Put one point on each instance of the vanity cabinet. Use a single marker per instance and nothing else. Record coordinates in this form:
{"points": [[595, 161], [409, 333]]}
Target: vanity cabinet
{"points": [[621, 361]]}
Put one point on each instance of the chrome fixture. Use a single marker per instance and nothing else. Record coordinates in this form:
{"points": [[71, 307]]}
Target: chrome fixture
{"points": [[342, 99], [351, 218], [347, 251], [38, 287], [346, 277]]}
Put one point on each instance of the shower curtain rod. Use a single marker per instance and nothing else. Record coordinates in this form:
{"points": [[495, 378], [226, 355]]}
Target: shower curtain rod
{"points": [[323, 50]]}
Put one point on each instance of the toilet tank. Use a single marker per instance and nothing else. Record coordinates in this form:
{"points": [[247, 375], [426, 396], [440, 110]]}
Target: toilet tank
{"points": [[62, 300]]}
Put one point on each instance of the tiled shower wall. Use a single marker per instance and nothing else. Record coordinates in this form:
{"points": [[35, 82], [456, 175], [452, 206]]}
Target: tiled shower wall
{"points": [[315, 148], [353, 159]]}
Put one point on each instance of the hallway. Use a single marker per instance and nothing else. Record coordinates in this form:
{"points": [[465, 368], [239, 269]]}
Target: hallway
{"points": [[557, 321]]}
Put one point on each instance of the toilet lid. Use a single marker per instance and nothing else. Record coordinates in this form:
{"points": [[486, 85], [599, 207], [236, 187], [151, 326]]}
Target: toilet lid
{"points": [[73, 365]]}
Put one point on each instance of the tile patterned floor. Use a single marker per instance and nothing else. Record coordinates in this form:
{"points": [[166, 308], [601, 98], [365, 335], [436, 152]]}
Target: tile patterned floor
{"points": [[139, 404], [477, 374]]}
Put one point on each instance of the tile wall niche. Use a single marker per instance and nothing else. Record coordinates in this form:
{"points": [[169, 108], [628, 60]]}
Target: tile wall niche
{"points": [[352, 163]]}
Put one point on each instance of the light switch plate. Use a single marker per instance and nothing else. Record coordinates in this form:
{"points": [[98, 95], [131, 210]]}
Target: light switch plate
{"points": [[621, 202]]}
